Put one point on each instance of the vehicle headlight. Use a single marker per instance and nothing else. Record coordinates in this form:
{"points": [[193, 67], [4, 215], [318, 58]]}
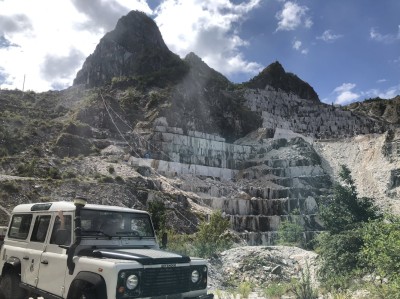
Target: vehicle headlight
{"points": [[195, 276], [132, 281]]}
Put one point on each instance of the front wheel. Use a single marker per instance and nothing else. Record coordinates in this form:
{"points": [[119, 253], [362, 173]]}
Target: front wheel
{"points": [[10, 286]]}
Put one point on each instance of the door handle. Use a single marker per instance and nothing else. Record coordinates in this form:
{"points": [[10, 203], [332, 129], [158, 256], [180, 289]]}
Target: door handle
{"points": [[45, 262], [26, 258]]}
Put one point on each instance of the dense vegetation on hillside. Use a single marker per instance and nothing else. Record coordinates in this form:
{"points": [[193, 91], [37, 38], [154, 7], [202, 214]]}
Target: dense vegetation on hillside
{"points": [[359, 242]]}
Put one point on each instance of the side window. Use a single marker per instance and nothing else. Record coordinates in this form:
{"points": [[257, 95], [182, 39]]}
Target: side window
{"points": [[61, 233], [20, 225], [40, 228]]}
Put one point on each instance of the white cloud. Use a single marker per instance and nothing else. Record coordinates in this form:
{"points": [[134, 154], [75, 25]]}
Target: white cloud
{"points": [[52, 46], [384, 38], [209, 30], [298, 46], [293, 16], [389, 93], [304, 51], [52, 37], [344, 94], [14, 23], [329, 36], [102, 15], [381, 81]]}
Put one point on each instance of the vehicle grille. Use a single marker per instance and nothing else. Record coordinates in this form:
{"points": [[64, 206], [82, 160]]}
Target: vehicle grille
{"points": [[165, 281]]}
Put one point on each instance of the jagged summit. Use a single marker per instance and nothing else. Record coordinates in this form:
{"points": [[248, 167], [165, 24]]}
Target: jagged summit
{"points": [[202, 70], [275, 75], [134, 48]]}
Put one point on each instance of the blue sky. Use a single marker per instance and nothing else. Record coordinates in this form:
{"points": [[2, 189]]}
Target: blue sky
{"points": [[348, 50]]}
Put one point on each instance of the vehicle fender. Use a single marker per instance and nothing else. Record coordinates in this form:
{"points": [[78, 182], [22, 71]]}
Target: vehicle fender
{"points": [[94, 279]]}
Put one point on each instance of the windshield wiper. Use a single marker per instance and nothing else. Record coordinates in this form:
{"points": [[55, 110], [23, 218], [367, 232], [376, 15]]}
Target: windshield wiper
{"points": [[96, 232], [130, 234]]}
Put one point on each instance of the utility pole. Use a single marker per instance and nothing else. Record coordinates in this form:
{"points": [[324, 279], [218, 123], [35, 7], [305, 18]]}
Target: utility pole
{"points": [[23, 84]]}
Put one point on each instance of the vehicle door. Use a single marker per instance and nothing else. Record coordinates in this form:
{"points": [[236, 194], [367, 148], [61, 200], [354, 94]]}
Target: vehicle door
{"points": [[35, 248], [18, 240], [53, 263]]}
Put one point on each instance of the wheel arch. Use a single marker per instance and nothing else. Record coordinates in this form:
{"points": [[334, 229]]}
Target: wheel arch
{"points": [[12, 263], [85, 279]]}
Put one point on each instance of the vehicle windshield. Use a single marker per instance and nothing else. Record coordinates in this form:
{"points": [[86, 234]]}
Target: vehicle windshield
{"points": [[115, 224]]}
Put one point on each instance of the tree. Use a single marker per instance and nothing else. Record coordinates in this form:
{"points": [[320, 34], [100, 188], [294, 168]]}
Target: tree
{"points": [[345, 210], [343, 215], [381, 246], [158, 214]]}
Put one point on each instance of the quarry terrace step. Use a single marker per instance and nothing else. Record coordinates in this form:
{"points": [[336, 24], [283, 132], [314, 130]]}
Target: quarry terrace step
{"points": [[262, 207], [274, 192], [271, 238], [257, 223]]}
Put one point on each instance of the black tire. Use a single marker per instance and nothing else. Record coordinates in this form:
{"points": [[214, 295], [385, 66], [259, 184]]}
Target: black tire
{"points": [[10, 286]]}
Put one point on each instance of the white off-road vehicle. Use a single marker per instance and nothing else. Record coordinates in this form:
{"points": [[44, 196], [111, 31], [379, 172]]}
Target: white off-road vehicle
{"points": [[78, 250]]}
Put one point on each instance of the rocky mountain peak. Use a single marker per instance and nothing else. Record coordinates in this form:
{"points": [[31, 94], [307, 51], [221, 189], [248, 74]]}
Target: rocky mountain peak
{"points": [[136, 31], [135, 48], [275, 76], [201, 71]]}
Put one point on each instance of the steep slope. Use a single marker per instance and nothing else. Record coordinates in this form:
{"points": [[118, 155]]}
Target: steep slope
{"points": [[203, 101], [374, 161], [381, 109]]}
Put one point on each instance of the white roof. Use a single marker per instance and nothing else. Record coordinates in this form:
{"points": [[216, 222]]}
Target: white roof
{"points": [[67, 206]]}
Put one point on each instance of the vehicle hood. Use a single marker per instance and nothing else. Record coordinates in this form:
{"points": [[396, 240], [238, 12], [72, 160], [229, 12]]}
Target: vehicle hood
{"points": [[143, 256]]}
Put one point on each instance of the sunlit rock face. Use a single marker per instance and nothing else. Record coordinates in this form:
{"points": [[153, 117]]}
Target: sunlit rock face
{"points": [[276, 77], [134, 48]]}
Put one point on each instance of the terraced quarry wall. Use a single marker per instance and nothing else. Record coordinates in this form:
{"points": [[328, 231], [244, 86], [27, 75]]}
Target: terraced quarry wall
{"points": [[257, 185]]}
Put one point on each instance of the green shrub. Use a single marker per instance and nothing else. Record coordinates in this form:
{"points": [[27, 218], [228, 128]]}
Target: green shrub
{"points": [[27, 169], [180, 243], [111, 169], [105, 179], [339, 257], [119, 180], [291, 233], [276, 290], [10, 187], [68, 175], [53, 173], [381, 248], [212, 236], [389, 290], [303, 288], [244, 289]]}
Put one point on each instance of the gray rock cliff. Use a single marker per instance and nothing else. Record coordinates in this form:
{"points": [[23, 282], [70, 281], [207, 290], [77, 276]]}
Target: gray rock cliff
{"points": [[134, 48]]}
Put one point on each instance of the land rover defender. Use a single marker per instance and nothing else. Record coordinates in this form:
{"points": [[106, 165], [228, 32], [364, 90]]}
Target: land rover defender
{"points": [[78, 250]]}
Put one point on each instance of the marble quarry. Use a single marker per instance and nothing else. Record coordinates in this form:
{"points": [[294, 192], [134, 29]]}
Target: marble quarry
{"points": [[321, 121], [256, 185], [267, 177]]}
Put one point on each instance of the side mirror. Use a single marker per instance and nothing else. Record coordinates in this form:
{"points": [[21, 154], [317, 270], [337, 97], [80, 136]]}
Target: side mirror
{"points": [[62, 236]]}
